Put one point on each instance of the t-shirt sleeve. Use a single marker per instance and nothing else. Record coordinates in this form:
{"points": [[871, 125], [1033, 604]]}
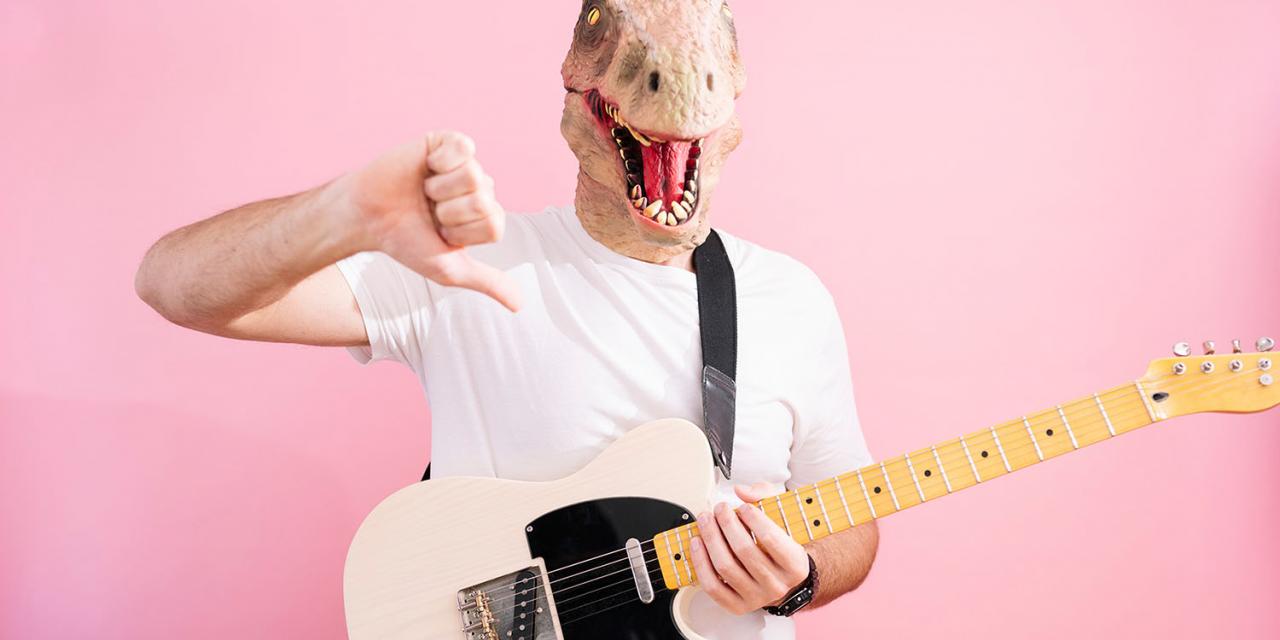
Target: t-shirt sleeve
{"points": [[828, 438], [396, 304]]}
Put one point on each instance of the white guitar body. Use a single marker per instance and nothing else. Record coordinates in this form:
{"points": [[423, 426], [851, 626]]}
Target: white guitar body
{"points": [[430, 542]]}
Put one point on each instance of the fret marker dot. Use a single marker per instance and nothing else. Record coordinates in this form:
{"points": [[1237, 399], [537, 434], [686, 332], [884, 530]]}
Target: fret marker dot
{"points": [[877, 490], [808, 500], [927, 473], [1048, 432], [817, 523], [985, 454], [677, 557]]}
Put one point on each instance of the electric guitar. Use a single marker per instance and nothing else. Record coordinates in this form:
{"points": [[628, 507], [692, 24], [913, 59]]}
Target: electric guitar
{"points": [[603, 553]]}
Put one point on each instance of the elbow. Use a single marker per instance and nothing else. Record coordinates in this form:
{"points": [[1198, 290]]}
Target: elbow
{"points": [[151, 289]]}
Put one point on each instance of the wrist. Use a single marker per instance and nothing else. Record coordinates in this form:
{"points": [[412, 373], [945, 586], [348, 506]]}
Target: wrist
{"points": [[799, 597], [333, 213]]}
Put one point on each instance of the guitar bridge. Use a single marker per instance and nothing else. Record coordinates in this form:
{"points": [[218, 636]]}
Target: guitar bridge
{"points": [[510, 607]]}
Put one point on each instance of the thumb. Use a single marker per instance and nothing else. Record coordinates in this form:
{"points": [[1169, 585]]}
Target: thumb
{"points": [[468, 273], [755, 492]]}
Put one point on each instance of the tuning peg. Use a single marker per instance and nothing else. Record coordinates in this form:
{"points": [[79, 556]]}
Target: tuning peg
{"points": [[1182, 349], [1235, 347], [1266, 344], [1209, 348]]}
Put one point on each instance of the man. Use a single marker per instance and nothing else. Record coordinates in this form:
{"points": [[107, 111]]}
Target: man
{"points": [[411, 259]]}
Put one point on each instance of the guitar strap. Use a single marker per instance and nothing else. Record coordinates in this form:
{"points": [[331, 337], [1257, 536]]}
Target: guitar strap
{"points": [[718, 327]]}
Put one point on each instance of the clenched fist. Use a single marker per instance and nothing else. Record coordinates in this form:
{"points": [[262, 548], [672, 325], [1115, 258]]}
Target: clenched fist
{"points": [[422, 203]]}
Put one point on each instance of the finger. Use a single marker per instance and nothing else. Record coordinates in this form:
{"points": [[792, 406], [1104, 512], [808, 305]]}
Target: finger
{"points": [[463, 180], [784, 551], [755, 492], [461, 270], [710, 580], [755, 561], [722, 557], [468, 208], [447, 151], [481, 231]]}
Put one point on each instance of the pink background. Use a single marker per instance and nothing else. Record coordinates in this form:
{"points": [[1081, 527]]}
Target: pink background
{"points": [[1014, 203]]}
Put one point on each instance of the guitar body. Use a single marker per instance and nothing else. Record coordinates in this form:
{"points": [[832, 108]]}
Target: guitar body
{"points": [[423, 549]]}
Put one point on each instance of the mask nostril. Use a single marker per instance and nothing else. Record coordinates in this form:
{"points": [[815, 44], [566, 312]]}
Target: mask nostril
{"points": [[654, 81], [711, 82]]}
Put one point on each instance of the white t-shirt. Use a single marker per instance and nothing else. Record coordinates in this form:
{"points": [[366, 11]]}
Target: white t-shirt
{"points": [[605, 343]]}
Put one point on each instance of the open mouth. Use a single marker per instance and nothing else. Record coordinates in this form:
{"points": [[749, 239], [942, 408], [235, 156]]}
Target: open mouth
{"points": [[662, 175]]}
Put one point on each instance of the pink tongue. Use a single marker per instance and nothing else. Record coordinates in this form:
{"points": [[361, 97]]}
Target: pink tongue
{"points": [[664, 170]]}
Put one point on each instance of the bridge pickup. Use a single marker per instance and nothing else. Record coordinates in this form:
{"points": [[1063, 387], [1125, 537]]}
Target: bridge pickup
{"points": [[509, 607]]}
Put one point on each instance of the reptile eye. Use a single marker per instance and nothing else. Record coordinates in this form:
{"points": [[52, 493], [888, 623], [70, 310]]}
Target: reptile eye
{"points": [[593, 16]]}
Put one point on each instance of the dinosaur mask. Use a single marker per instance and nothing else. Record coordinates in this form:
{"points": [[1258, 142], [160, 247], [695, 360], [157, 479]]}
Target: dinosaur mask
{"points": [[649, 113]]}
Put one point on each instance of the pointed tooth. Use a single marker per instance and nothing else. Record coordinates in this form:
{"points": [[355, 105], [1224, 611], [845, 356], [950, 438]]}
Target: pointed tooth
{"points": [[662, 217], [633, 166], [638, 203], [653, 208], [635, 191], [672, 221], [680, 211], [640, 137], [689, 197]]}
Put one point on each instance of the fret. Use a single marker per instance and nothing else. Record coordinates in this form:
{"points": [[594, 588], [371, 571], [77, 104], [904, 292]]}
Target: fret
{"points": [[892, 494], [973, 467], [1111, 429], [1063, 415], [786, 525], [1049, 432], [675, 572], [684, 556], [985, 455], [1123, 408], [941, 469], [1082, 415], [804, 517], [1013, 441], [843, 502], [1143, 392], [826, 519], [914, 477], [866, 495], [999, 447], [924, 472], [1030, 432]]}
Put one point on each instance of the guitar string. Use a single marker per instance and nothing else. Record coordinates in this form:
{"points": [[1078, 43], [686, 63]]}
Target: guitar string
{"points": [[1135, 408], [1088, 429], [955, 459], [1126, 390]]}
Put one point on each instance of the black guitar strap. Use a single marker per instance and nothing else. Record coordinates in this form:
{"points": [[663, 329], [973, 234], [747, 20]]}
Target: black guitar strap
{"points": [[718, 322], [718, 326]]}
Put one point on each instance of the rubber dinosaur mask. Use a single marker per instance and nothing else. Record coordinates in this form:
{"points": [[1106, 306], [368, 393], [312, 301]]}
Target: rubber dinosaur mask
{"points": [[649, 112]]}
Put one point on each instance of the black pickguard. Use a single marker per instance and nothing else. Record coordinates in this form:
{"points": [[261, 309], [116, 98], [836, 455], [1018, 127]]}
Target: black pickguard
{"points": [[591, 603]]}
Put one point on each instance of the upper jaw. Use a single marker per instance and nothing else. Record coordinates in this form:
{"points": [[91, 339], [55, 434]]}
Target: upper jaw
{"points": [[661, 173]]}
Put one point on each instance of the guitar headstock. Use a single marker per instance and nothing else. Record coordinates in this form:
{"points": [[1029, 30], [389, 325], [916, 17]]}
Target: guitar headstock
{"points": [[1235, 382]]}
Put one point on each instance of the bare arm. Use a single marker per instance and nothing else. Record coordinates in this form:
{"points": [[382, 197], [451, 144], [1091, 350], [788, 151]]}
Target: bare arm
{"points": [[265, 271], [843, 560]]}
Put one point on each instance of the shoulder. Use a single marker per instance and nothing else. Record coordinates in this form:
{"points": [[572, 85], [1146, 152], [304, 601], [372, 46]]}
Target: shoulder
{"points": [[766, 272]]}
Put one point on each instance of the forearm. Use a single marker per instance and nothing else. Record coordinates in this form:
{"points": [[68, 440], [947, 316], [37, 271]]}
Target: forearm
{"points": [[212, 272], [843, 560]]}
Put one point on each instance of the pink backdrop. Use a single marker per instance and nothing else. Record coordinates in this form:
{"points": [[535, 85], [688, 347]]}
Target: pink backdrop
{"points": [[1014, 203]]}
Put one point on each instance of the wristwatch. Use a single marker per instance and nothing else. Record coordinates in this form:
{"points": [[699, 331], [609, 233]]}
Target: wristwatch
{"points": [[800, 597]]}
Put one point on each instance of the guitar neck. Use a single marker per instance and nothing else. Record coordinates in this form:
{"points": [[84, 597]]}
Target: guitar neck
{"points": [[818, 510]]}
